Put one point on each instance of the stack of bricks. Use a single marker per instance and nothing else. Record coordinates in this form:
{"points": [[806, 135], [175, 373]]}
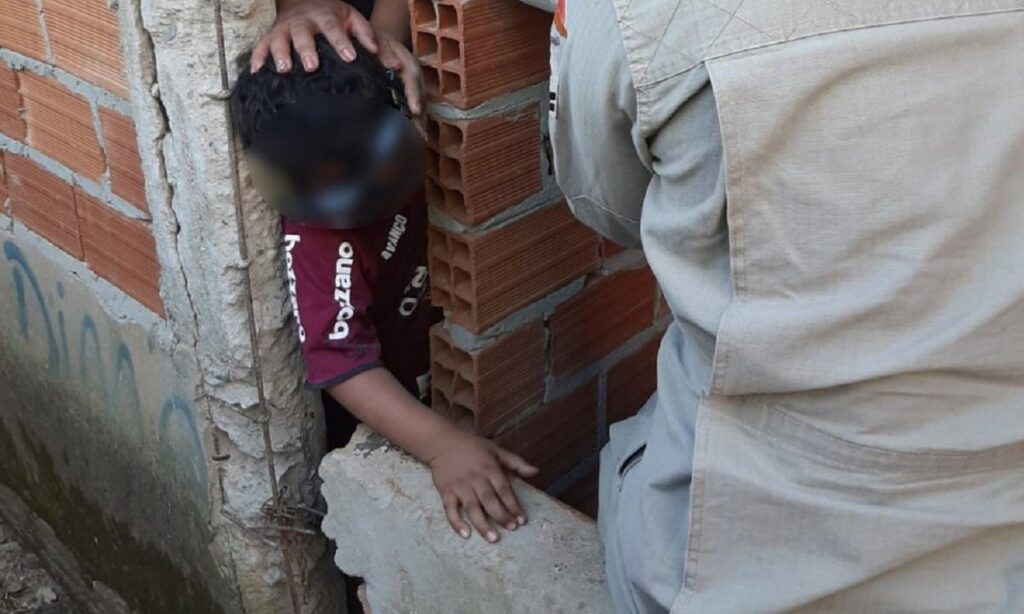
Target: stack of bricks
{"points": [[69, 163], [550, 332]]}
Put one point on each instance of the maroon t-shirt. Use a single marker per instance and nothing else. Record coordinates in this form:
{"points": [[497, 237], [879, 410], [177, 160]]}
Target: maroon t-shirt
{"points": [[361, 298]]}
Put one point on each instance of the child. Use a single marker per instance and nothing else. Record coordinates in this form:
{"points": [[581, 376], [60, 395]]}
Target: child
{"points": [[335, 152]]}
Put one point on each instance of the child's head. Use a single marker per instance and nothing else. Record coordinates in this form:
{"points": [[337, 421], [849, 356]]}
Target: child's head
{"points": [[333, 147]]}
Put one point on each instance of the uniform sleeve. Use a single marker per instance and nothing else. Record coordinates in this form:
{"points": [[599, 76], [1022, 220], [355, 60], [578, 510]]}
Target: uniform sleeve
{"points": [[600, 157], [332, 296]]}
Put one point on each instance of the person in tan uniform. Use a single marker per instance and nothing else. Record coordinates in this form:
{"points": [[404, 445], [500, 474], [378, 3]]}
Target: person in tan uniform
{"points": [[831, 195]]}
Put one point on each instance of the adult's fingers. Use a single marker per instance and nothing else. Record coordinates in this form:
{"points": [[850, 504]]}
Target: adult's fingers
{"points": [[476, 514], [362, 31], [494, 506], [336, 36], [281, 48], [302, 39], [508, 497], [412, 80], [259, 54], [452, 511]]}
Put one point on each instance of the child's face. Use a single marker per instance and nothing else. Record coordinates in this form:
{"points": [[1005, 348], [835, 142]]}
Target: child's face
{"points": [[384, 175]]}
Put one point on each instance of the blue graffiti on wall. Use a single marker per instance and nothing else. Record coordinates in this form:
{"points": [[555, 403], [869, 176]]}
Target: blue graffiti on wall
{"points": [[120, 393]]}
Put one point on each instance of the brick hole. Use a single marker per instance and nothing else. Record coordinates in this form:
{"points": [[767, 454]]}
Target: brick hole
{"points": [[441, 275], [451, 83], [435, 195], [433, 132], [432, 80], [450, 50], [451, 139], [455, 202], [433, 166], [460, 255], [423, 12], [447, 18], [450, 173], [425, 47], [463, 289]]}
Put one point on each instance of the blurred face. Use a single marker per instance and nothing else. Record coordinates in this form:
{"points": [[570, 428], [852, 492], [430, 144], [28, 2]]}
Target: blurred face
{"points": [[344, 176]]}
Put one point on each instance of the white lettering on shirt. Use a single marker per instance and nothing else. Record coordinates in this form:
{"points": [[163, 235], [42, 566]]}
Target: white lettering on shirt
{"points": [[394, 235], [290, 241], [343, 291], [412, 299]]}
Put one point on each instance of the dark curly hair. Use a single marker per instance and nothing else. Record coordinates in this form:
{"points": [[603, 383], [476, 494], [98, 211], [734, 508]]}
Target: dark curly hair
{"points": [[304, 104]]}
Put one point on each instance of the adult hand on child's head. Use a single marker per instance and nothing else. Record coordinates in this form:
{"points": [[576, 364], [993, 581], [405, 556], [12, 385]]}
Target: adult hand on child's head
{"points": [[473, 475], [298, 21]]}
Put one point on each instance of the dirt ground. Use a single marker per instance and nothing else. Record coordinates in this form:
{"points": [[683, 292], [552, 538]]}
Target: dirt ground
{"points": [[25, 586]]}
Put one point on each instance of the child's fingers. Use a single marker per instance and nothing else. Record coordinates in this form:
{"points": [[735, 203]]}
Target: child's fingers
{"points": [[451, 510], [516, 464], [476, 514], [494, 506], [503, 487]]}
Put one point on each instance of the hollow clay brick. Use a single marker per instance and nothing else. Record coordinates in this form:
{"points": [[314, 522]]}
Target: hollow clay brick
{"points": [[479, 168], [44, 203], [558, 437], [121, 250], [60, 125], [126, 179], [632, 381], [11, 122], [481, 278], [85, 40], [482, 49], [607, 313], [20, 29], [491, 385]]}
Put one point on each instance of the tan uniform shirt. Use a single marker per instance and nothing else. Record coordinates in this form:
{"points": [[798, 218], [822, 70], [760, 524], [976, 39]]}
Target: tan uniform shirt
{"points": [[831, 195]]}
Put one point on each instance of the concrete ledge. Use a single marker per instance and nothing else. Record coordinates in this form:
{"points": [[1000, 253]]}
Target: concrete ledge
{"points": [[386, 516]]}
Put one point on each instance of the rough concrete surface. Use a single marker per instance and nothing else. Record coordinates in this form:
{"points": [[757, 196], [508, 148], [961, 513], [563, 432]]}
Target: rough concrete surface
{"points": [[385, 514], [25, 585], [227, 301]]}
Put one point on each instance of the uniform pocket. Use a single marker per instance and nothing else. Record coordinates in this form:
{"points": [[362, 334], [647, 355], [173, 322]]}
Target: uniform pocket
{"points": [[628, 440]]}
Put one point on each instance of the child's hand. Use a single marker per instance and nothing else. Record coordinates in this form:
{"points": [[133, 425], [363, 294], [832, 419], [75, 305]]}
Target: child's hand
{"points": [[472, 474]]}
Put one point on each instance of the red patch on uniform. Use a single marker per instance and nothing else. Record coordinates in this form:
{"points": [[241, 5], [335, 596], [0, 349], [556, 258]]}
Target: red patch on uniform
{"points": [[560, 19]]}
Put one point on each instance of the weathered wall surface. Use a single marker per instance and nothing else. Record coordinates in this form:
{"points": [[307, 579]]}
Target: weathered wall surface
{"points": [[152, 410], [99, 434]]}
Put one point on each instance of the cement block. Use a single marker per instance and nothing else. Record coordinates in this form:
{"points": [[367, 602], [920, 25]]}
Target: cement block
{"points": [[386, 516]]}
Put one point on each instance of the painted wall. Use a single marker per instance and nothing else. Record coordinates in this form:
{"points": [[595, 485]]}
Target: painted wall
{"points": [[99, 436], [152, 409]]}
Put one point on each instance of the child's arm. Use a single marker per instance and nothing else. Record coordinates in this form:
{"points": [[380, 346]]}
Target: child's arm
{"points": [[470, 472]]}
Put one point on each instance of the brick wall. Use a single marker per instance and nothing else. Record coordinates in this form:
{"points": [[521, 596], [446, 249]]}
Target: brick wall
{"points": [[551, 333], [69, 163]]}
